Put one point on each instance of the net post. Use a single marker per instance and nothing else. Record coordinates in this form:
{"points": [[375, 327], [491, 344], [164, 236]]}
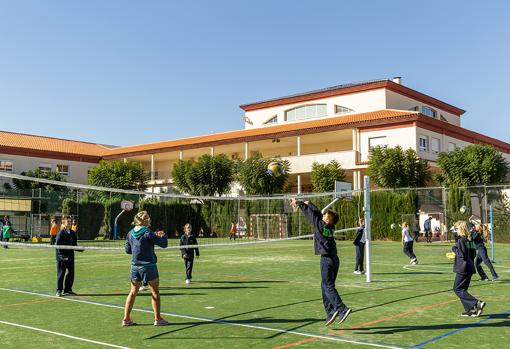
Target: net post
{"points": [[368, 236], [492, 233]]}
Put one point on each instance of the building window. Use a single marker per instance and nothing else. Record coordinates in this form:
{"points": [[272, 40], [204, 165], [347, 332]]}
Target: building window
{"points": [[45, 167], [424, 143], [6, 165], [63, 169], [342, 110], [377, 142], [435, 145], [273, 120], [306, 112], [415, 108], [429, 112], [451, 146]]}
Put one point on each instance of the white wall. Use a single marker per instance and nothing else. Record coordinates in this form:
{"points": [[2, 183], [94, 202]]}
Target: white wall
{"points": [[359, 102], [404, 136], [444, 140], [397, 101], [77, 170]]}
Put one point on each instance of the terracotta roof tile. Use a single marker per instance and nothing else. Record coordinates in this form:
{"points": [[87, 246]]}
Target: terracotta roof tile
{"points": [[22, 142]]}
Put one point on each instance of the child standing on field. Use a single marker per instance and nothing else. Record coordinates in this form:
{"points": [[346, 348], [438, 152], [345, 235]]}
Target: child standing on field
{"points": [[325, 246], [464, 268], [480, 235], [407, 243], [188, 254], [359, 243]]}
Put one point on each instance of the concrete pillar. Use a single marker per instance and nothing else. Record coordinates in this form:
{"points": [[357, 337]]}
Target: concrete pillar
{"points": [[299, 184], [298, 145], [180, 155], [212, 151], [152, 167], [246, 151], [125, 160], [354, 139]]}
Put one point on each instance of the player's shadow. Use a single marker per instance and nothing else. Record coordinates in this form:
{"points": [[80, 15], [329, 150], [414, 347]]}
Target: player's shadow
{"points": [[406, 328], [140, 294], [239, 282], [304, 322], [208, 288], [403, 299], [413, 272]]}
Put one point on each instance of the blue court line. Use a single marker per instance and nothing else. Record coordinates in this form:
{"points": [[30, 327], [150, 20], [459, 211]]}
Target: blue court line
{"points": [[468, 326], [282, 331]]}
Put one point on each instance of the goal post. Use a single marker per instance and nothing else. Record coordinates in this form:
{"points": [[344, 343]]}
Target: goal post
{"points": [[264, 226]]}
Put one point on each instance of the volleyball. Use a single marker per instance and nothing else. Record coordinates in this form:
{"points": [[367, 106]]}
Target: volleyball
{"points": [[274, 168], [393, 225], [451, 256], [463, 209]]}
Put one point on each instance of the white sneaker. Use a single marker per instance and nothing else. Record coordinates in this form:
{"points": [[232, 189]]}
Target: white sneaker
{"points": [[356, 272], [144, 288], [188, 281]]}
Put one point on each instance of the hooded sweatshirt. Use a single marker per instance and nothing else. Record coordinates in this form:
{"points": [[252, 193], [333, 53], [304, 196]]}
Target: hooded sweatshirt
{"points": [[140, 244]]}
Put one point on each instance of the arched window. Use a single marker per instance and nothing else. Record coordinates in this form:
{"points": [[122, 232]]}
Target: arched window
{"points": [[306, 112], [339, 109], [429, 111]]}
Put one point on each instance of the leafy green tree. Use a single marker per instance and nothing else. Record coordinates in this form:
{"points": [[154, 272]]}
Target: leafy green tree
{"points": [[323, 176], [38, 173], [208, 176], [253, 176], [472, 166], [397, 168], [119, 174]]}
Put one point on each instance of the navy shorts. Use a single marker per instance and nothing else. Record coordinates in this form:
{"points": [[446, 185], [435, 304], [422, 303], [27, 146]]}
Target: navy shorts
{"points": [[144, 273]]}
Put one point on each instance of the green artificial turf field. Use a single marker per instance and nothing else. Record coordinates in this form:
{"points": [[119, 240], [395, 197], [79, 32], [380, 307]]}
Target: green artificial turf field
{"points": [[256, 296]]}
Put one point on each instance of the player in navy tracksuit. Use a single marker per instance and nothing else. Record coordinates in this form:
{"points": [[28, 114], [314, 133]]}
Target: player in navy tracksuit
{"points": [[359, 243], [188, 254], [464, 268], [479, 235], [65, 259], [325, 246], [427, 227]]}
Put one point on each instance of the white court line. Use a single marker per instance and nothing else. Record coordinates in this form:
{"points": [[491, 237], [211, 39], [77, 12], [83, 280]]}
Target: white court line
{"points": [[62, 335], [408, 267], [223, 322]]}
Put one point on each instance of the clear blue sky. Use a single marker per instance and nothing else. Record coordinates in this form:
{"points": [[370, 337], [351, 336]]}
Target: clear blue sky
{"points": [[129, 72]]}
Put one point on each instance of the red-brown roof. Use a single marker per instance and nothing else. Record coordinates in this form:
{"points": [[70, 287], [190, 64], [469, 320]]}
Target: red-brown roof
{"points": [[354, 88], [40, 146], [268, 132]]}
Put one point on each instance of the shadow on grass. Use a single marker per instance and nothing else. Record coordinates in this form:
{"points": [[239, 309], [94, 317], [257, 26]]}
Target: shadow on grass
{"points": [[140, 294], [239, 282], [407, 328], [412, 272], [191, 287]]}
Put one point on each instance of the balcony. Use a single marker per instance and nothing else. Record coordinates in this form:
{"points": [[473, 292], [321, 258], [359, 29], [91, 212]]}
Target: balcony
{"points": [[160, 177], [303, 163]]}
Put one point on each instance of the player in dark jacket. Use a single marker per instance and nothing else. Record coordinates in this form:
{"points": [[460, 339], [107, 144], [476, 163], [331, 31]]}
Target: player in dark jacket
{"points": [[359, 243], [188, 254], [481, 234], [464, 268], [65, 258], [325, 246]]}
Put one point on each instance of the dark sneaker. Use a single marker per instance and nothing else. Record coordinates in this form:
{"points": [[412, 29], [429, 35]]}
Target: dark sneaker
{"points": [[470, 312], [332, 318], [479, 307], [344, 314], [70, 293], [484, 279]]}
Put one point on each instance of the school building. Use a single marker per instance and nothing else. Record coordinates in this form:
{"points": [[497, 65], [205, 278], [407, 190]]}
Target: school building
{"points": [[336, 123]]}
